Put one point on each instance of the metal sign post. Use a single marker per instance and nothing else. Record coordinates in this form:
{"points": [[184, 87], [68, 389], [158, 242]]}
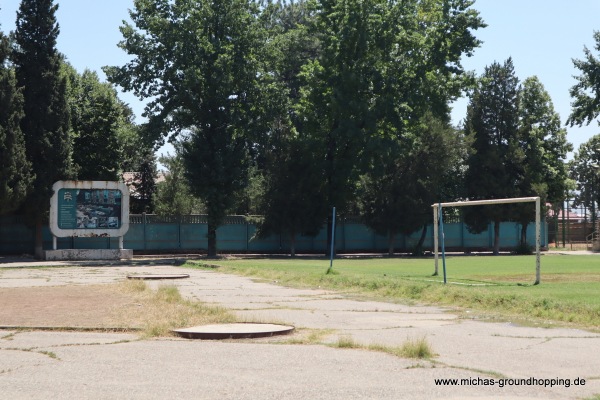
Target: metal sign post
{"points": [[332, 242]]}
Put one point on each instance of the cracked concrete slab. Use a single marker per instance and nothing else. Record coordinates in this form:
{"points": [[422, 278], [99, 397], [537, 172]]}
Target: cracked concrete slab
{"points": [[465, 349], [45, 340], [226, 370]]}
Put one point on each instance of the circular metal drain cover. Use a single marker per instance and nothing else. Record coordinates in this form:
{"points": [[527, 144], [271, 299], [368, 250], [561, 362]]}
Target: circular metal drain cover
{"points": [[233, 331], [158, 276]]}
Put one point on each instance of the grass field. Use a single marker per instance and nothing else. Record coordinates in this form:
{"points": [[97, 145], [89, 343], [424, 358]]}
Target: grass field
{"points": [[491, 287]]}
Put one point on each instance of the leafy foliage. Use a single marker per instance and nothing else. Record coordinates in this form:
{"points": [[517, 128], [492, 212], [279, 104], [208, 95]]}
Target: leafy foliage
{"points": [[15, 169], [144, 185], [173, 195], [585, 108], [292, 201], [197, 60], [407, 176], [584, 169], [519, 148], [382, 66], [101, 126], [46, 121], [586, 92], [46, 116], [495, 167], [545, 147]]}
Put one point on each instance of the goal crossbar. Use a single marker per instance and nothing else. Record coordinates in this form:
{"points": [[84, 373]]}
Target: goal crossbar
{"points": [[437, 213]]}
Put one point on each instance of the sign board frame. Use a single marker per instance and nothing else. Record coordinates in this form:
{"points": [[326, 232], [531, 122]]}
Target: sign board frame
{"points": [[67, 212]]}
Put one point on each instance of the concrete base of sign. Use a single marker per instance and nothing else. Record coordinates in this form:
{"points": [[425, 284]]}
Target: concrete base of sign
{"points": [[88, 254]]}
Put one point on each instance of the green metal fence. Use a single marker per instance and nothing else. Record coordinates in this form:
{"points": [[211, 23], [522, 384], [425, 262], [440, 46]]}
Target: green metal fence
{"points": [[152, 233]]}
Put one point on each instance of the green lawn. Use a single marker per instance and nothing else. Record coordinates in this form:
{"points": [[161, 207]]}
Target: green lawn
{"points": [[498, 287]]}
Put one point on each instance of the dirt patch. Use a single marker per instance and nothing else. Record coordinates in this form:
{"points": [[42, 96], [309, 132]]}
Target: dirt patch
{"points": [[97, 306]]}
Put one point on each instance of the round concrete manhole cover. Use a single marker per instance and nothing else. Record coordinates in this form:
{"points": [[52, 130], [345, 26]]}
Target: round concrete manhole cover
{"points": [[233, 331], [158, 276]]}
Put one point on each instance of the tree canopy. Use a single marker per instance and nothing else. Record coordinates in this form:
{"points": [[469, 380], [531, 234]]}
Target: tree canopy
{"points": [[584, 169], [15, 169], [288, 108], [495, 166], [382, 66], [198, 62], [407, 176], [45, 123], [101, 127], [586, 92]]}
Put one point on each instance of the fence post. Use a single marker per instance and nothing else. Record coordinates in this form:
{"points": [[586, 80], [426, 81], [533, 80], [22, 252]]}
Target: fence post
{"points": [[343, 221], [144, 228], [179, 223]]}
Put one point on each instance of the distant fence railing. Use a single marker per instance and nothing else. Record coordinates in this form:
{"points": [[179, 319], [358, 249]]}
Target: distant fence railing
{"points": [[153, 233]]}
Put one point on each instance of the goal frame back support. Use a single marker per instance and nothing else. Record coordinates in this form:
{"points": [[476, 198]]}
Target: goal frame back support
{"points": [[437, 208]]}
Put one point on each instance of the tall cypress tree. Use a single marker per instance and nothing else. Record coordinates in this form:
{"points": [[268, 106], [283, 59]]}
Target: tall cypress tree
{"points": [[46, 120], [15, 170], [495, 168]]}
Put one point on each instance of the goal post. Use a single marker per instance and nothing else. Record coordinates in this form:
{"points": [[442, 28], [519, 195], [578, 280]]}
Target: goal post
{"points": [[437, 212]]}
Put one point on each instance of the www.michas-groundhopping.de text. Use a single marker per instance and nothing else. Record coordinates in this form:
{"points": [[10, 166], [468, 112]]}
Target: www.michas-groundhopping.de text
{"points": [[502, 382]]}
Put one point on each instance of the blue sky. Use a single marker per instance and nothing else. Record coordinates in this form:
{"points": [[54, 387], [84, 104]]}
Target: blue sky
{"points": [[542, 37]]}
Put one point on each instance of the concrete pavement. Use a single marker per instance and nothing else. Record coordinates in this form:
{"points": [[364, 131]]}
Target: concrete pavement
{"points": [[102, 365]]}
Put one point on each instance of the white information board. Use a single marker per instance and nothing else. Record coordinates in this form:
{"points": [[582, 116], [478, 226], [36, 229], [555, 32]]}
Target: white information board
{"points": [[89, 209]]}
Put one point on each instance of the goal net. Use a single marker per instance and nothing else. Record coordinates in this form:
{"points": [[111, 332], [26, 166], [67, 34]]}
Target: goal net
{"points": [[438, 227]]}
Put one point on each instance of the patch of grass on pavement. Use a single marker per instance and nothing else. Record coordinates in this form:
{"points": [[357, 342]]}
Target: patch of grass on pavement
{"points": [[160, 311], [417, 349], [495, 287]]}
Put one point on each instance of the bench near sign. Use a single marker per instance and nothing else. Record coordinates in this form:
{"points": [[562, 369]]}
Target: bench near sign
{"points": [[89, 209]]}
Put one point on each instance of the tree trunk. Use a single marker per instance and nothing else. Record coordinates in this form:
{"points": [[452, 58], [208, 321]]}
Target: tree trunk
{"points": [[419, 247], [293, 245], [524, 235], [496, 238], [39, 240], [391, 238], [212, 240]]}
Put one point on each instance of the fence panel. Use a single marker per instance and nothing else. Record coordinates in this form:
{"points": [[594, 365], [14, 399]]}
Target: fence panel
{"points": [[356, 237], [15, 236], [238, 235], [259, 245], [194, 236]]}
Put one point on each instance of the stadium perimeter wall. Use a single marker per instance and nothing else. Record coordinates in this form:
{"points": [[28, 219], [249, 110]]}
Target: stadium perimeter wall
{"points": [[151, 233]]}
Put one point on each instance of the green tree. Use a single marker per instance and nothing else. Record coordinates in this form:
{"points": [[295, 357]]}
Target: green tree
{"points": [[132, 141], [407, 176], [495, 169], [173, 195], [292, 199], [545, 147], [585, 108], [197, 60], [100, 124], [584, 169], [586, 92], [15, 169], [248, 201], [46, 120], [143, 185], [382, 66]]}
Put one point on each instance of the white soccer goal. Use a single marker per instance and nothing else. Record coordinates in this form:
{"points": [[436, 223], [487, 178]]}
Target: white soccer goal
{"points": [[437, 212]]}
